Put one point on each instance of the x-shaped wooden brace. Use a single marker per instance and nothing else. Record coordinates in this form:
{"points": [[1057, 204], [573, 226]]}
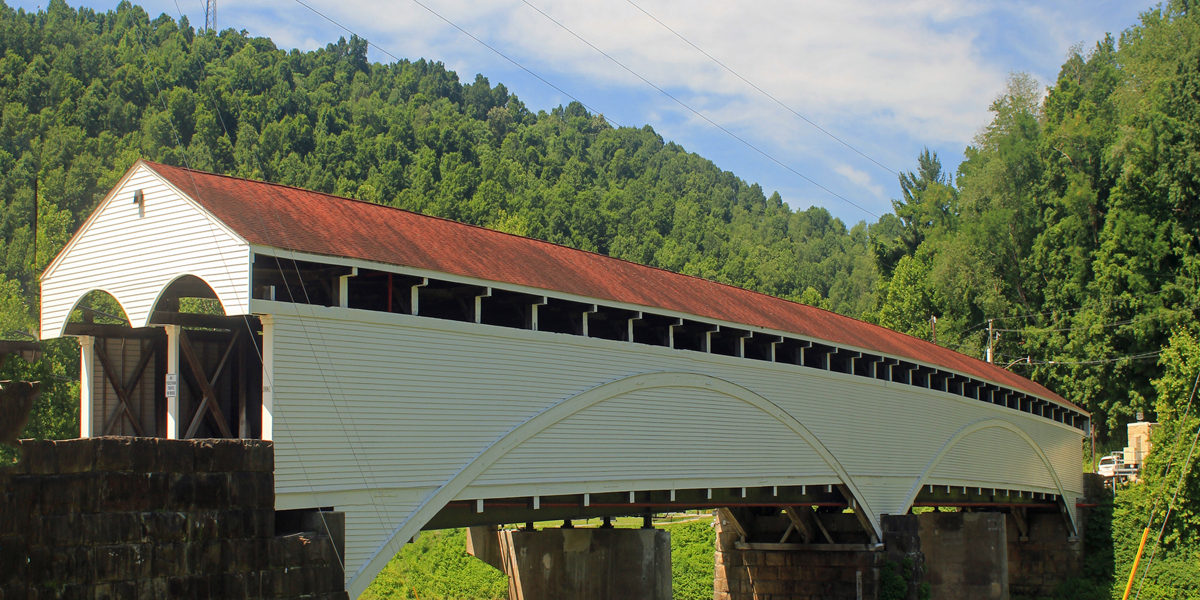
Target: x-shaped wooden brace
{"points": [[806, 523], [208, 397], [124, 389]]}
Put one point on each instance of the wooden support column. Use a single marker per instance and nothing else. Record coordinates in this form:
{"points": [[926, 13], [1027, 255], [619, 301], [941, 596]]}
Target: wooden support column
{"points": [[805, 346], [594, 309], [174, 418], [268, 377], [487, 293], [852, 360], [87, 376], [671, 332], [741, 349], [1020, 519], [629, 326], [239, 367], [889, 368], [708, 337], [414, 307], [533, 312], [344, 288]]}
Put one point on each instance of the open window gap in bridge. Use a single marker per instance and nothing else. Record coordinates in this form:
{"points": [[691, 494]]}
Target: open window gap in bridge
{"points": [[309, 282]]}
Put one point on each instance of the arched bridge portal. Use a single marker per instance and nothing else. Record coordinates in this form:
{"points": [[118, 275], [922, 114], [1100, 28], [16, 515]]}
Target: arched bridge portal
{"points": [[417, 373]]}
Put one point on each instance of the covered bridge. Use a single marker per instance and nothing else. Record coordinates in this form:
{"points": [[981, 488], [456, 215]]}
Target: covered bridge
{"points": [[415, 372]]}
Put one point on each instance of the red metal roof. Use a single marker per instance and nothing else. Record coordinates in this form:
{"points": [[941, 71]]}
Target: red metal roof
{"points": [[284, 217]]}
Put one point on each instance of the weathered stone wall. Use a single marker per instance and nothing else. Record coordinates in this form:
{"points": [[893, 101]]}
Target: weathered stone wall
{"points": [[966, 554], [154, 518], [796, 574], [1044, 559], [578, 563], [1045, 556]]}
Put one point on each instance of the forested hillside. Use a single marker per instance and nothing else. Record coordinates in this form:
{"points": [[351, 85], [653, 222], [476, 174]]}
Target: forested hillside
{"points": [[86, 93], [1073, 223]]}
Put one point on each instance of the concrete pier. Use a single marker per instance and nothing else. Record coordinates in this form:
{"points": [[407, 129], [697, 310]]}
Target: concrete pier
{"points": [[582, 564]]}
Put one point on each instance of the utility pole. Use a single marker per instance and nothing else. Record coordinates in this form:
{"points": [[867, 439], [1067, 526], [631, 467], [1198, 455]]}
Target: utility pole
{"points": [[991, 336], [34, 266], [210, 15]]}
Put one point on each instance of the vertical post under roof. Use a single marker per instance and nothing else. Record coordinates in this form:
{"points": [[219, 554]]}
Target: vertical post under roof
{"points": [[174, 419], [87, 368], [268, 377]]}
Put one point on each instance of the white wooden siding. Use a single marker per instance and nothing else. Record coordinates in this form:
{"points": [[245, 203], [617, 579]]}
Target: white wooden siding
{"points": [[387, 403], [133, 254], [974, 459], [620, 438]]}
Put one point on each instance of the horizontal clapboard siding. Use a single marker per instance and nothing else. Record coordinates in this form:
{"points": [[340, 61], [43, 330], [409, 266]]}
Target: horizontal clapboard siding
{"points": [[974, 459], [135, 253], [685, 433], [377, 401]]}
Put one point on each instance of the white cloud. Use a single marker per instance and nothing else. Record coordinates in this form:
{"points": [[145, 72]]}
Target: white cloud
{"points": [[927, 68], [857, 61], [888, 78], [860, 179]]}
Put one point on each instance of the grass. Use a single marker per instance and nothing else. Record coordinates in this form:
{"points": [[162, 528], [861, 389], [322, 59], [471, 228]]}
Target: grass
{"points": [[437, 566]]}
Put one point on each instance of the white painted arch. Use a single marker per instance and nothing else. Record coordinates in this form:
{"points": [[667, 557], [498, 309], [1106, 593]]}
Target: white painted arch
{"points": [[556, 413], [962, 436], [143, 297], [134, 250]]}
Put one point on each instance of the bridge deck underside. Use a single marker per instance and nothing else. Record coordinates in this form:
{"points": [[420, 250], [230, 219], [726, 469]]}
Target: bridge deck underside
{"points": [[827, 498]]}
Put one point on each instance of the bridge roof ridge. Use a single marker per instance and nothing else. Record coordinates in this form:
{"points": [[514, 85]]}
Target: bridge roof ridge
{"points": [[291, 218]]}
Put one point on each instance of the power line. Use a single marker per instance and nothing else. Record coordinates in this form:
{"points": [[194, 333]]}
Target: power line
{"points": [[527, 70], [696, 112], [1064, 311], [1103, 361], [246, 318], [470, 35], [764, 92], [1187, 466], [1035, 329]]}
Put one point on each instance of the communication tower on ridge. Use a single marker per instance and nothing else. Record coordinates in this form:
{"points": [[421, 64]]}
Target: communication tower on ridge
{"points": [[210, 15]]}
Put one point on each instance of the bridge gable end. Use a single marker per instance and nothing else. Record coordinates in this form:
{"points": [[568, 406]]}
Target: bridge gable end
{"points": [[144, 235]]}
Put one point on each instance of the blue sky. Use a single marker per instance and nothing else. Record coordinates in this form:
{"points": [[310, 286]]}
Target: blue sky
{"points": [[887, 78]]}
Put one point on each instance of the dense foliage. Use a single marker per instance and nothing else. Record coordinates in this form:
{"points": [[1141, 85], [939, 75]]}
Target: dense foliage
{"points": [[1072, 225], [437, 567], [692, 562]]}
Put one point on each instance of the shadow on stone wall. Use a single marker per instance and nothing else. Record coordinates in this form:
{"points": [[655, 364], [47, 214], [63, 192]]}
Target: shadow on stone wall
{"points": [[155, 518]]}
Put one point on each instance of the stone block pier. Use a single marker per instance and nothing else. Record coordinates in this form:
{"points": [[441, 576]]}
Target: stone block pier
{"points": [[153, 518]]}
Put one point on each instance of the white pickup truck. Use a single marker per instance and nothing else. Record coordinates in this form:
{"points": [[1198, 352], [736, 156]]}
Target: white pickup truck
{"points": [[1108, 464], [1114, 467]]}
